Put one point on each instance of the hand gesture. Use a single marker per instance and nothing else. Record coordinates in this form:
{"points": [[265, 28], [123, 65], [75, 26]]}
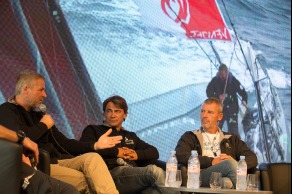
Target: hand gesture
{"points": [[107, 142]]}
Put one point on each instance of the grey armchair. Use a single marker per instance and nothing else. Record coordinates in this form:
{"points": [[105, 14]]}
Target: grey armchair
{"points": [[10, 166], [276, 177], [10, 163]]}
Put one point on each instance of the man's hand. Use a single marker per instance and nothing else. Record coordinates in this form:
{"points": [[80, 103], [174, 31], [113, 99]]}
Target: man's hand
{"points": [[221, 158], [107, 142], [244, 103], [26, 160], [127, 153], [48, 120], [33, 147]]}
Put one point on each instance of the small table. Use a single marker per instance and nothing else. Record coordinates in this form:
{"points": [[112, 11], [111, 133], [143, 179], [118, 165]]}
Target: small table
{"points": [[209, 190]]}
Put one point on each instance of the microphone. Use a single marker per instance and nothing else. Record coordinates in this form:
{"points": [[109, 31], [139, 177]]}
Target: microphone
{"points": [[122, 162], [43, 109]]}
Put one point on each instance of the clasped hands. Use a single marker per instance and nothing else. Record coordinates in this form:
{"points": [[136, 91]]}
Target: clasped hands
{"points": [[221, 158], [127, 153]]}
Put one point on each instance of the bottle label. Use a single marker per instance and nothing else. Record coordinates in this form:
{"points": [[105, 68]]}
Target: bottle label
{"points": [[194, 169], [172, 168], [241, 172]]}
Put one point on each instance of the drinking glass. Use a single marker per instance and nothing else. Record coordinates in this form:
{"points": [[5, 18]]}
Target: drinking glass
{"points": [[178, 180], [252, 182], [216, 180]]}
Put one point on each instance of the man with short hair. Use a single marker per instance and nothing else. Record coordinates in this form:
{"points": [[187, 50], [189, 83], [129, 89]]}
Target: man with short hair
{"points": [[225, 87], [87, 171], [218, 151], [131, 162], [37, 181]]}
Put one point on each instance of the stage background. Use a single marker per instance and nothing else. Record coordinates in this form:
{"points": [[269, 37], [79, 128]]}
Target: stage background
{"points": [[90, 50]]}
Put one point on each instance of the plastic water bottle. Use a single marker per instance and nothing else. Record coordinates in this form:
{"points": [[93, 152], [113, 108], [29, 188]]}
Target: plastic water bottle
{"points": [[241, 174], [171, 169], [193, 171]]}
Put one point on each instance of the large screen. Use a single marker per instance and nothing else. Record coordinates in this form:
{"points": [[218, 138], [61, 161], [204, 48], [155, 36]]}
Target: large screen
{"points": [[90, 50]]}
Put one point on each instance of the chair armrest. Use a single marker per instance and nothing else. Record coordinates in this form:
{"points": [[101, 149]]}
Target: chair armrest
{"points": [[44, 162], [280, 177], [10, 171]]}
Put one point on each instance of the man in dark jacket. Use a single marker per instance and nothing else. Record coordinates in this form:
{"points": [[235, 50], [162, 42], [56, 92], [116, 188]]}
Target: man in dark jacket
{"points": [[218, 151], [87, 171], [34, 181], [131, 161], [225, 87]]}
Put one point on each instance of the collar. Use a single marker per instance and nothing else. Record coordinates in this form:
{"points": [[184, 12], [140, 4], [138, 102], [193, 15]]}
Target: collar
{"points": [[107, 125]]}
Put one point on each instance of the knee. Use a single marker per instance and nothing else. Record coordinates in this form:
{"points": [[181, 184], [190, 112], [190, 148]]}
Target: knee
{"points": [[231, 163], [92, 156], [156, 172]]}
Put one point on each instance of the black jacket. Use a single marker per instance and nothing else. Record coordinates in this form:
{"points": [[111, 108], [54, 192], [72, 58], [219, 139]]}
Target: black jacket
{"points": [[216, 87], [229, 144], [147, 154], [15, 117]]}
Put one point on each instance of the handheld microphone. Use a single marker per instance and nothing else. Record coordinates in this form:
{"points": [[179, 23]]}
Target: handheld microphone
{"points": [[43, 109], [122, 162]]}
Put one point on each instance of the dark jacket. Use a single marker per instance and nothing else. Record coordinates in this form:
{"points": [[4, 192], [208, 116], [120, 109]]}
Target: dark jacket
{"points": [[229, 144], [216, 87], [15, 117], [147, 154]]}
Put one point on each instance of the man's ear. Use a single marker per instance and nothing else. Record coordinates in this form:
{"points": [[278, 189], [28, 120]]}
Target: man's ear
{"points": [[220, 117], [125, 116]]}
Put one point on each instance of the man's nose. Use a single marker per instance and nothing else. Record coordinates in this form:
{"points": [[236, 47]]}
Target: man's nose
{"points": [[44, 94]]}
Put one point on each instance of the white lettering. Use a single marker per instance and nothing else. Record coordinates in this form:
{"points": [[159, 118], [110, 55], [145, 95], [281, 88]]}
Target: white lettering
{"points": [[216, 34]]}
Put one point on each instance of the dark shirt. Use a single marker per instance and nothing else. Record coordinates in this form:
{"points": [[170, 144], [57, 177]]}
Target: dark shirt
{"points": [[15, 117], [147, 154], [216, 87]]}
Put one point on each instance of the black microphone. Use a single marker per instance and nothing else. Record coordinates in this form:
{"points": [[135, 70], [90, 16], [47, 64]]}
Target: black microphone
{"points": [[122, 162]]}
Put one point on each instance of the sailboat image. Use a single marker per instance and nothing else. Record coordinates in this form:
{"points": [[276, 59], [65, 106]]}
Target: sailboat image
{"points": [[159, 55]]}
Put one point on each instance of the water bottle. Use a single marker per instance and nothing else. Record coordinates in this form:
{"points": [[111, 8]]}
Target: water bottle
{"points": [[193, 171], [171, 169], [241, 174]]}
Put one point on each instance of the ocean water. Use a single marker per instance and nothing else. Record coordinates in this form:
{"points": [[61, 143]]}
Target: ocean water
{"points": [[163, 76], [267, 25]]}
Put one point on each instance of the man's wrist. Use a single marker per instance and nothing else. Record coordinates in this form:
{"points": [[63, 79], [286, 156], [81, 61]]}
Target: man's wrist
{"points": [[21, 135]]}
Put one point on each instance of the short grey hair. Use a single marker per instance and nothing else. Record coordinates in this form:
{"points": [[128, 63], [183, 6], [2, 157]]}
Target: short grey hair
{"points": [[26, 77], [215, 101]]}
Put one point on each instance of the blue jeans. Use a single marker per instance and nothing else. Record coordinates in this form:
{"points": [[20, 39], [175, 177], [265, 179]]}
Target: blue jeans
{"points": [[142, 180], [227, 168]]}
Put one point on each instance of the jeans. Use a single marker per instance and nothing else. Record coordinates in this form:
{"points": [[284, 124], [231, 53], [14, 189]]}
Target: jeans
{"points": [[227, 168], [139, 180]]}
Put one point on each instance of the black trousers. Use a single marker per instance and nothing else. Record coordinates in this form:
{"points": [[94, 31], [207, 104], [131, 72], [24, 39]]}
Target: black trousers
{"points": [[41, 183]]}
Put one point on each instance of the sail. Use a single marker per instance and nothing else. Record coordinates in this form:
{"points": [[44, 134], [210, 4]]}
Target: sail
{"points": [[197, 19]]}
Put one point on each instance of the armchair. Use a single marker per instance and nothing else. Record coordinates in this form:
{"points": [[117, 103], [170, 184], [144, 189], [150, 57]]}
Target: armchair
{"points": [[10, 166], [10, 162], [276, 177]]}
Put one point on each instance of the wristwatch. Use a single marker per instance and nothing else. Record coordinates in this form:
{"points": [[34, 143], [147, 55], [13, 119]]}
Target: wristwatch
{"points": [[21, 135]]}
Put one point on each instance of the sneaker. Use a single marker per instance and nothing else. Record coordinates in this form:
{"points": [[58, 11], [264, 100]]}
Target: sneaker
{"points": [[227, 183]]}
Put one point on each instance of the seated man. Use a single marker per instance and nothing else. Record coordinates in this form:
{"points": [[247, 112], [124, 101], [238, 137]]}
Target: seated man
{"points": [[38, 182], [218, 151], [87, 172], [131, 161]]}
